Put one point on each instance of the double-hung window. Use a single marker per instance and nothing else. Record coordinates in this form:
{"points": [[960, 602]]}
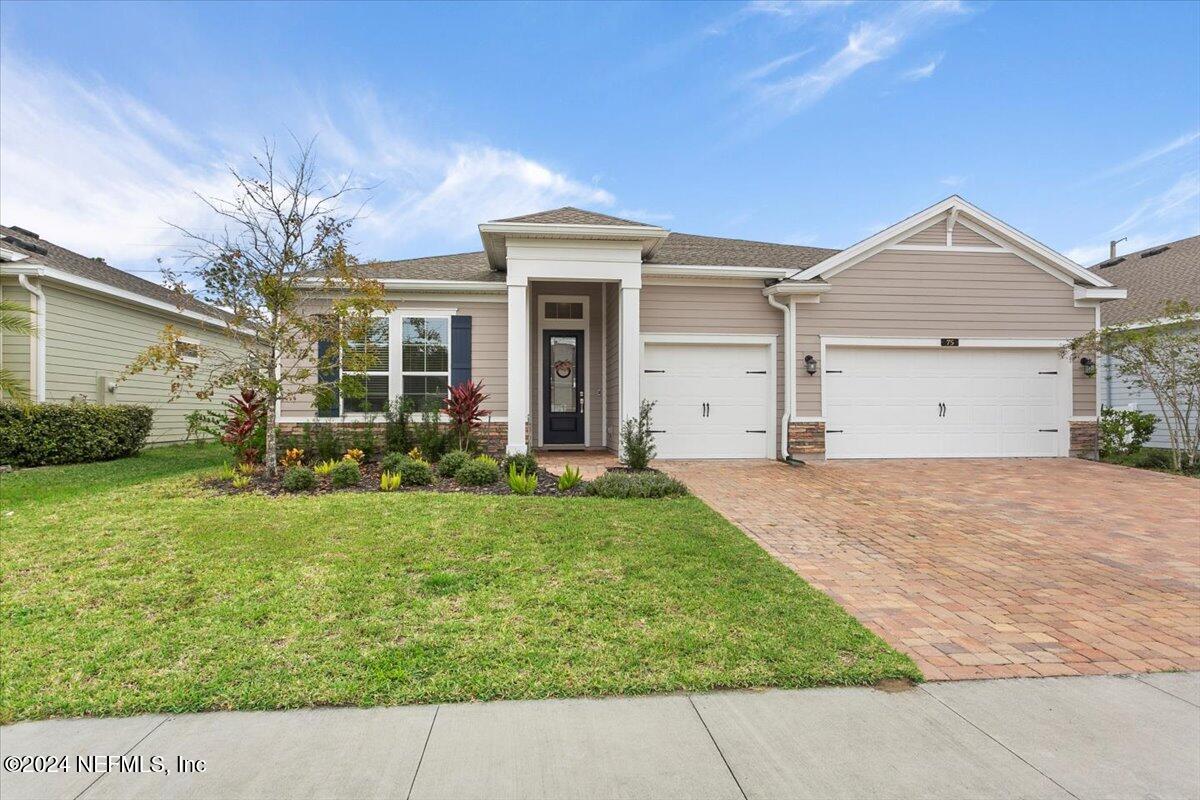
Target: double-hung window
{"points": [[425, 360], [367, 358]]}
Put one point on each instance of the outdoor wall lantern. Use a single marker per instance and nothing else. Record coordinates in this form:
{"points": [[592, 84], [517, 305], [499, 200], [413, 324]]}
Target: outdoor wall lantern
{"points": [[1089, 366], [810, 365]]}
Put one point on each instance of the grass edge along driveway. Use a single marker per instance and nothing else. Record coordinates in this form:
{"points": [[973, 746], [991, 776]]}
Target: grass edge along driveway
{"points": [[126, 588]]}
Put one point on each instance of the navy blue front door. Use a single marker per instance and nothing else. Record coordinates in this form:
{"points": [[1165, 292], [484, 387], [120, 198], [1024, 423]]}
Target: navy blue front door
{"points": [[562, 387]]}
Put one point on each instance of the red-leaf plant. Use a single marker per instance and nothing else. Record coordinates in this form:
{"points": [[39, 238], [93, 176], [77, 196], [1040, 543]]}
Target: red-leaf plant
{"points": [[464, 406], [246, 412]]}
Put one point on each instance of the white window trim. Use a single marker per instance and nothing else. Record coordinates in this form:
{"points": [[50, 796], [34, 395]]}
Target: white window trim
{"points": [[361, 415], [397, 355], [567, 325]]}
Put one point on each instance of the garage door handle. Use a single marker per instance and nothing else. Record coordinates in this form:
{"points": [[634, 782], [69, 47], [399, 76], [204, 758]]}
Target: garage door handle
{"points": [[832, 371], [654, 370], [837, 431], [654, 431], [1047, 430], [755, 431], [756, 372], [1049, 372]]}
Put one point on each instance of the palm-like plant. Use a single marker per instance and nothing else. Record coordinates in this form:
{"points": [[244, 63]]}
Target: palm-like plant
{"points": [[14, 320]]}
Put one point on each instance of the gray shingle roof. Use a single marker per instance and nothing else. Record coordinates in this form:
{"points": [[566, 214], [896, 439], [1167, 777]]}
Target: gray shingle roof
{"points": [[569, 215], [458, 267], [1153, 276], [688, 248], [96, 270]]}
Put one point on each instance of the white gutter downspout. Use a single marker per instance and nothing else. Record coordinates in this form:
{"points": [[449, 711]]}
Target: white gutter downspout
{"points": [[38, 346], [789, 371]]}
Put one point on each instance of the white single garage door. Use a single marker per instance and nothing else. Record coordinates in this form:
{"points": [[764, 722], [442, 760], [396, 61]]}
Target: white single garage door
{"points": [[711, 400], [945, 402]]}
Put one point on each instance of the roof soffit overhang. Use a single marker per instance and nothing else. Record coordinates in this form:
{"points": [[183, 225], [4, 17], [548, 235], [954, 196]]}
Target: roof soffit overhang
{"points": [[495, 235]]}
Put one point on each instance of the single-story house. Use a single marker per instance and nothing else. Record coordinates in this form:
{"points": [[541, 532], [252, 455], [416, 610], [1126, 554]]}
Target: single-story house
{"points": [[91, 321], [936, 337], [1153, 277]]}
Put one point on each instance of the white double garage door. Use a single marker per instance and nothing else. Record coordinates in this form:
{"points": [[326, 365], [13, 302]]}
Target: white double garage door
{"points": [[719, 401]]}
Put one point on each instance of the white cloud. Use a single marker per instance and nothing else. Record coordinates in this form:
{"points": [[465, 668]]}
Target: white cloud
{"points": [[871, 41], [1169, 215], [95, 169], [644, 215], [1153, 154], [922, 72], [953, 181]]}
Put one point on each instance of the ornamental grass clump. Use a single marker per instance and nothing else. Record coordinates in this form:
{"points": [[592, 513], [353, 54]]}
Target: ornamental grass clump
{"points": [[325, 467], [570, 478], [524, 462], [636, 485], [390, 481], [479, 471], [520, 481], [345, 475]]}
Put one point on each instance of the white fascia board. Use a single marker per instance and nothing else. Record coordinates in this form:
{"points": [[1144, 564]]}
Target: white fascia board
{"points": [[493, 234], [714, 271], [1100, 293], [925, 341], [420, 285], [1150, 323], [892, 235], [96, 287], [797, 288]]}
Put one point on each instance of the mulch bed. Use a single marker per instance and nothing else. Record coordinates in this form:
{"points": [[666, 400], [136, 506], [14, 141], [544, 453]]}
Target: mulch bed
{"points": [[265, 484]]}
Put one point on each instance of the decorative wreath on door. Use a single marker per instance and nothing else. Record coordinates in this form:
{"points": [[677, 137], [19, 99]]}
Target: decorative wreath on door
{"points": [[563, 368]]}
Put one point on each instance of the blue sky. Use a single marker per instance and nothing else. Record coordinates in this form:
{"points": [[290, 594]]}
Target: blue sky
{"points": [[812, 123]]}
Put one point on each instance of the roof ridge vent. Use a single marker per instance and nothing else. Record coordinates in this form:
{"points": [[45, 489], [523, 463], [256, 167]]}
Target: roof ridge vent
{"points": [[1155, 251], [30, 246], [25, 232]]}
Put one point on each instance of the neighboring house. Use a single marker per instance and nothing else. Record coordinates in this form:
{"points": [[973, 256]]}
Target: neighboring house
{"points": [[1153, 277], [937, 337], [92, 321]]}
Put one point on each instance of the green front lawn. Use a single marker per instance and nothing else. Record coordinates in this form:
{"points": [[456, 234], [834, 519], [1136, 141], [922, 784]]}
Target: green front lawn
{"points": [[125, 588]]}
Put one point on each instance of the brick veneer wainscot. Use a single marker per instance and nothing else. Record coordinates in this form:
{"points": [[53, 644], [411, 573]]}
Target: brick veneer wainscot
{"points": [[1085, 439], [806, 437]]}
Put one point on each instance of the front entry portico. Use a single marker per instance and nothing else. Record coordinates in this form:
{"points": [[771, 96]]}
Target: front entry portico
{"points": [[580, 254]]}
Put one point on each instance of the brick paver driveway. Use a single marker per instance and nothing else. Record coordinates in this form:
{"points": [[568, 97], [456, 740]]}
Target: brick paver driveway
{"points": [[986, 568]]}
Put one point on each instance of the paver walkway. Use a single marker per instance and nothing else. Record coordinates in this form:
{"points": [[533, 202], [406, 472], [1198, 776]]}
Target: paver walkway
{"points": [[1098, 737], [986, 568]]}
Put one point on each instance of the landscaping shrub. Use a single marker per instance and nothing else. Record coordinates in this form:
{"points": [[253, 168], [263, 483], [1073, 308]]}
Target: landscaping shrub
{"points": [[520, 481], [414, 472], [1123, 431], [524, 462], [325, 467], [345, 474], [480, 471], [569, 479], [240, 481], [390, 481], [636, 484], [321, 441], [452, 462], [298, 479], [391, 462], [397, 431], [429, 436], [637, 440], [70, 433]]}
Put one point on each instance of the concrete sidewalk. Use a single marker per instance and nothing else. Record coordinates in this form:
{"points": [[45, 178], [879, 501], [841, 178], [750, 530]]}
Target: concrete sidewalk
{"points": [[1093, 737]]}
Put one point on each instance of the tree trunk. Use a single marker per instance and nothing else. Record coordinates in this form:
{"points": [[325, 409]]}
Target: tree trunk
{"points": [[270, 456]]}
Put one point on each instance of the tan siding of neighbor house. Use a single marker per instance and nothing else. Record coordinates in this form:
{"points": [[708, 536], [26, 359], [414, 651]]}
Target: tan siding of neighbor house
{"points": [[489, 350], [934, 234], [594, 352], [731, 309], [939, 294], [14, 348], [612, 338], [90, 337]]}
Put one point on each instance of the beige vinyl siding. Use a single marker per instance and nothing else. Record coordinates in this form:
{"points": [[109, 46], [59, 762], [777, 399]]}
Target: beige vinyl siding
{"points": [[965, 237], [733, 309], [593, 352], [934, 234], [89, 337], [14, 348], [932, 294], [612, 321], [489, 350]]}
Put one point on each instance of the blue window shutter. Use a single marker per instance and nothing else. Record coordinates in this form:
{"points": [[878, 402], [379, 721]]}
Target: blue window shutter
{"points": [[460, 350], [328, 374]]}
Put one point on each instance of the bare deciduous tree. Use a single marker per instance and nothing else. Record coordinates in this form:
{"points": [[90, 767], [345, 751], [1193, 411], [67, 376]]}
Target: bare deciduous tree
{"points": [[283, 242]]}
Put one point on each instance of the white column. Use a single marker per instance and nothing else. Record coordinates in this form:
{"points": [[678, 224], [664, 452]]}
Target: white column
{"points": [[631, 351], [518, 367]]}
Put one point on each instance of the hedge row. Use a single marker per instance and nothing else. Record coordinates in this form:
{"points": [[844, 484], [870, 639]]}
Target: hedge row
{"points": [[50, 433]]}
